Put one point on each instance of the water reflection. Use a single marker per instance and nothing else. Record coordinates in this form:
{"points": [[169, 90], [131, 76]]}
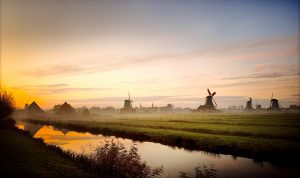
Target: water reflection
{"points": [[174, 160]]}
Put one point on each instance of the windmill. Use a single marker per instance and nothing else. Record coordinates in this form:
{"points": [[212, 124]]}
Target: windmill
{"points": [[210, 103], [249, 105], [128, 105], [128, 102], [274, 105]]}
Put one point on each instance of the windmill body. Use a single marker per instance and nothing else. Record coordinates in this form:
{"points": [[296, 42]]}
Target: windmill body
{"points": [[274, 104], [249, 105], [128, 105], [210, 103]]}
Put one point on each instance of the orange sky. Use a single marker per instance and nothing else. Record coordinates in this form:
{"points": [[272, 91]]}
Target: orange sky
{"points": [[164, 52]]}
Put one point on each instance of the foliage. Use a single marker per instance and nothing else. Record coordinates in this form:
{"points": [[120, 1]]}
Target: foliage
{"points": [[115, 159], [7, 104], [83, 110]]}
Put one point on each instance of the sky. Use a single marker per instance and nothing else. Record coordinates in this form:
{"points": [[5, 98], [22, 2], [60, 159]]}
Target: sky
{"points": [[91, 53]]}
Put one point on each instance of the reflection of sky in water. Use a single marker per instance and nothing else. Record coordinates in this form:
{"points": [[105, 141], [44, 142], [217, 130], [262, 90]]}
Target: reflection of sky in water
{"points": [[75, 141], [155, 154]]}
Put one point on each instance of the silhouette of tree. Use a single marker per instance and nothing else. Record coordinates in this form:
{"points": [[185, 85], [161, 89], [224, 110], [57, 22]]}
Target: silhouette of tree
{"points": [[7, 104]]}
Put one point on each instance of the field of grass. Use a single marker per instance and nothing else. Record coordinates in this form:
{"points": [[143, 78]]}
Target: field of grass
{"points": [[23, 156], [264, 136]]}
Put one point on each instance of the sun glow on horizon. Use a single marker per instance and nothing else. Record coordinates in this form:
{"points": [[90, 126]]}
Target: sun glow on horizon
{"points": [[92, 54]]}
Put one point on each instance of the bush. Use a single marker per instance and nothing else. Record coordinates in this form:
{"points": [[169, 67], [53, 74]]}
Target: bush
{"points": [[113, 158], [7, 104]]}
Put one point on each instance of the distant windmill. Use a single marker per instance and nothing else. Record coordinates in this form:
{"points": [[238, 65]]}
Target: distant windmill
{"points": [[274, 104], [210, 103], [249, 105], [128, 102], [128, 105]]}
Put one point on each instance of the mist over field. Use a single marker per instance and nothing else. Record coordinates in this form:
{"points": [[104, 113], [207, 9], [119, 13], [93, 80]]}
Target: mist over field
{"points": [[144, 89]]}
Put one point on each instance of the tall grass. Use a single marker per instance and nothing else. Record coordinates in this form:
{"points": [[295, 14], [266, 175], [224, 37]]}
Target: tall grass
{"points": [[113, 158]]}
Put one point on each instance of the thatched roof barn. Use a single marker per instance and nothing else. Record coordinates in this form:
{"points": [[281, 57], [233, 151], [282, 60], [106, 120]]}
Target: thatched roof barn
{"points": [[34, 109], [65, 109]]}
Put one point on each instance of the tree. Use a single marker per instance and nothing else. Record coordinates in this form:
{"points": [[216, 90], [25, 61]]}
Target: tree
{"points": [[7, 104]]}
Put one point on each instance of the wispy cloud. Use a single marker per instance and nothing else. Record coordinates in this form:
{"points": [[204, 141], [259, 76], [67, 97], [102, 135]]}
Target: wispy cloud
{"points": [[94, 67], [296, 95], [57, 88], [262, 75], [249, 50], [266, 70]]}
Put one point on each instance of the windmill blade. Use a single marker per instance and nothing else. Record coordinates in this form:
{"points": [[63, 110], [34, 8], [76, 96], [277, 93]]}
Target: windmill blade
{"points": [[213, 94], [214, 101], [272, 96], [208, 92], [129, 95]]}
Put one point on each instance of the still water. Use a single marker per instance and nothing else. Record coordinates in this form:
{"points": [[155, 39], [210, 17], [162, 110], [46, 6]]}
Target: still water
{"points": [[173, 160]]}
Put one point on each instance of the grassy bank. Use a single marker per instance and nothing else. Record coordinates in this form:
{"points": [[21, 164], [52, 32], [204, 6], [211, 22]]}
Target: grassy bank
{"points": [[23, 156], [273, 137]]}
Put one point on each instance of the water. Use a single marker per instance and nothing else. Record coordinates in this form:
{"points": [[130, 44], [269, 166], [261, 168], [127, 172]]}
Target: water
{"points": [[172, 159]]}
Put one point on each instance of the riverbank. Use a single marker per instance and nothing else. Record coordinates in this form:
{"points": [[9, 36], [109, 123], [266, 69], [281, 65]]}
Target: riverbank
{"points": [[23, 156], [268, 137]]}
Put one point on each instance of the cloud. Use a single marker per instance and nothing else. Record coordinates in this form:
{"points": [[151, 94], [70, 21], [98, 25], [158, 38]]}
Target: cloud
{"points": [[58, 88], [261, 54], [92, 67], [296, 95], [234, 84], [266, 70], [47, 86], [262, 75], [249, 50], [292, 39]]}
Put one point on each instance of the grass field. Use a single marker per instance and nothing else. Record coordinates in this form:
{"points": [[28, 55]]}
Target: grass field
{"points": [[23, 156], [264, 136]]}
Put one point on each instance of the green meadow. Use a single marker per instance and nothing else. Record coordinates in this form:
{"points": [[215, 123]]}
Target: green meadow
{"points": [[262, 136]]}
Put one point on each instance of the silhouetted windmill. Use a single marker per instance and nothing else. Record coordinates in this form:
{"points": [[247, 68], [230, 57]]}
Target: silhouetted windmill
{"points": [[274, 104], [128, 102], [249, 105], [128, 105], [209, 103]]}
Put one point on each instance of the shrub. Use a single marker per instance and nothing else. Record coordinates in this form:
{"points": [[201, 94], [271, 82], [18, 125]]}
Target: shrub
{"points": [[7, 104], [113, 158]]}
